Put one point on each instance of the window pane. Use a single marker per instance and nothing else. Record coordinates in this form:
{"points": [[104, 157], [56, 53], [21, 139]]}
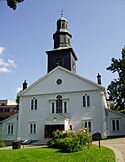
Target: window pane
{"points": [[59, 104], [31, 128], [86, 124], [88, 101], [65, 107], [12, 129], [8, 129], [117, 125], [32, 104], [35, 104], [53, 107], [34, 128], [89, 126], [113, 125], [84, 101]]}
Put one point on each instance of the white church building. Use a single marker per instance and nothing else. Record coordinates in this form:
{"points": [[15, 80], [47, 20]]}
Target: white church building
{"points": [[62, 99]]}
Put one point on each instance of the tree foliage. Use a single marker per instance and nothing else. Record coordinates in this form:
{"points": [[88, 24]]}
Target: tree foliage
{"points": [[13, 3], [116, 89]]}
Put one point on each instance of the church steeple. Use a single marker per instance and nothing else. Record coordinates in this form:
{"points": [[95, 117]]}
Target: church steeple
{"points": [[62, 54], [62, 36]]}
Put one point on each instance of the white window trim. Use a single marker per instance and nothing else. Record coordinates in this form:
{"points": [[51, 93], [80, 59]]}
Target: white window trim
{"points": [[35, 107], [9, 133], [86, 100], [63, 101], [83, 125], [31, 133], [115, 119]]}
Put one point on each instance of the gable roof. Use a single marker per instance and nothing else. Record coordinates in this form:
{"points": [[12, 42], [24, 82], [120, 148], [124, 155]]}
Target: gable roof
{"points": [[64, 70], [115, 112], [9, 118]]}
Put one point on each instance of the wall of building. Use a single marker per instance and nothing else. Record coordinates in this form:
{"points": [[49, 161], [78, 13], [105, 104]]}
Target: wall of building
{"points": [[12, 120], [76, 113], [112, 115]]}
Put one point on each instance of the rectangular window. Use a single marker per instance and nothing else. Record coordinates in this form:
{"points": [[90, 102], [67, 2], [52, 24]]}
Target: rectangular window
{"points": [[115, 125], [65, 107], [10, 128], [87, 125], [32, 128], [53, 107]]}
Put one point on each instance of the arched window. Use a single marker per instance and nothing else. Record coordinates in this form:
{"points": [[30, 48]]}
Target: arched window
{"points": [[33, 105], [59, 104], [86, 100]]}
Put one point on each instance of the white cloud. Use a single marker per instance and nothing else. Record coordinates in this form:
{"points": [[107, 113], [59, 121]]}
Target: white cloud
{"points": [[4, 69], [11, 62], [1, 50], [6, 65]]}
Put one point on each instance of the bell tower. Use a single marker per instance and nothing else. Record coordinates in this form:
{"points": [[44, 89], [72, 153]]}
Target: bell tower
{"points": [[62, 54]]}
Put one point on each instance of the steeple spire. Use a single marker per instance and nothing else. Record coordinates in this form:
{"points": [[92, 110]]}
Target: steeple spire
{"points": [[62, 36], [62, 13], [63, 54]]}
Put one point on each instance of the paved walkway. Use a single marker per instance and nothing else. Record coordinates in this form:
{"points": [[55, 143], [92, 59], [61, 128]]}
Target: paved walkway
{"points": [[118, 146]]}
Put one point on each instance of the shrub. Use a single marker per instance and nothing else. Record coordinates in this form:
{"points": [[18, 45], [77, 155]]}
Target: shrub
{"points": [[2, 144], [70, 141]]}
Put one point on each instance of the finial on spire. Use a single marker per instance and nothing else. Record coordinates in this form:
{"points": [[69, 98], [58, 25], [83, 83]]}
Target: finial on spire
{"points": [[62, 13]]}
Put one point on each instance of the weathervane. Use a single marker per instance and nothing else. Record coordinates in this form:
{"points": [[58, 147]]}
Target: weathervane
{"points": [[62, 13]]}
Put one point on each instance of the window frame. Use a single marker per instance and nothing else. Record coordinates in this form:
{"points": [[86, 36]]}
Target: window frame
{"points": [[87, 124], [33, 104], [10, 129], [115, 125], [32, 128], [59, 105], [86, 101]]}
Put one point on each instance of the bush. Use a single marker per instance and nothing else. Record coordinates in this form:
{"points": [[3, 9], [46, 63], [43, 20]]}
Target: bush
{"points": [[2, 144], [70, 141]]}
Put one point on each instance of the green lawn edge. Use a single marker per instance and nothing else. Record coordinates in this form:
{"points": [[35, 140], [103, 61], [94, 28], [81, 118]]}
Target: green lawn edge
{"points": [[93, 154]]}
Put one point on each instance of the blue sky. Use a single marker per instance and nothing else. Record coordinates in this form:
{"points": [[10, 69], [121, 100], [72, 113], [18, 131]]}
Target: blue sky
{"points": [[97, 27]]}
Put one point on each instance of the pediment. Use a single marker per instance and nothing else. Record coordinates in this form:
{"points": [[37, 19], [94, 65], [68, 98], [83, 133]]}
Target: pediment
{"points": [[70, 82], [53, 117]]}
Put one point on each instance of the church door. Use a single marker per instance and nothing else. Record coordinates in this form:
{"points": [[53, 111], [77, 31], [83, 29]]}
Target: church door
{"points": [[50, 128]]}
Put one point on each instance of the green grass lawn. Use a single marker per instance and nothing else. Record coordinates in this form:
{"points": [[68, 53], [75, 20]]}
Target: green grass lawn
{"points": [[94, 154]]}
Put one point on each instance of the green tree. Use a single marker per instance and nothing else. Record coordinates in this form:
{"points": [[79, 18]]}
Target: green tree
{"points": [[116, 89], [17, 101], [13, 3]]}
